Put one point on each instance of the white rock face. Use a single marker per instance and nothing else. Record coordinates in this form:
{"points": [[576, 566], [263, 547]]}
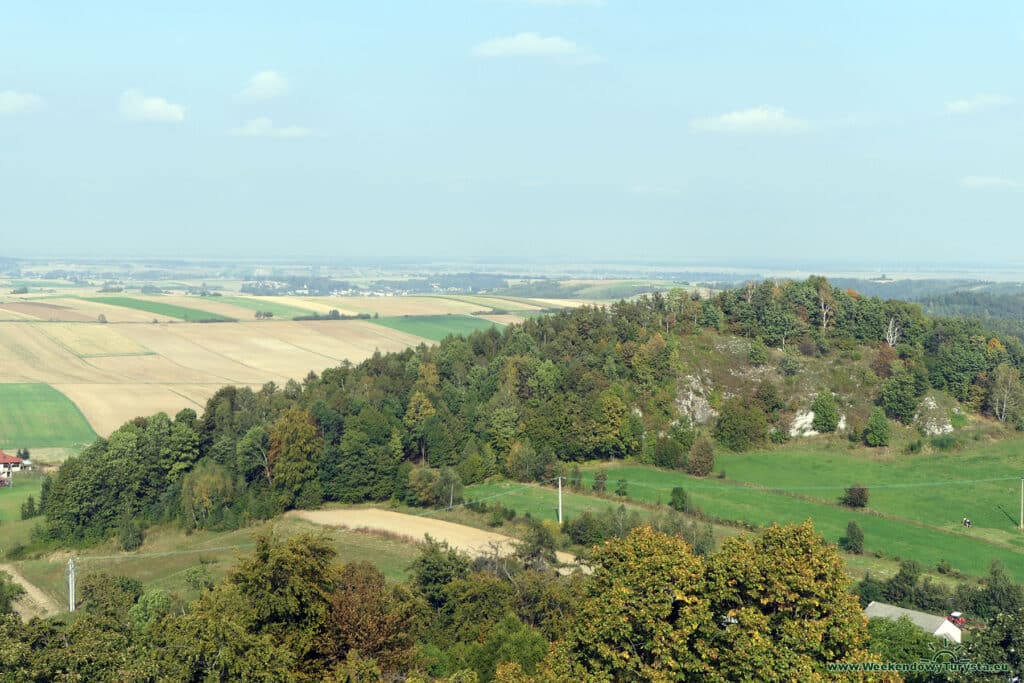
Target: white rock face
{"points": [[691, 399], [803, 424], [931, 419]]}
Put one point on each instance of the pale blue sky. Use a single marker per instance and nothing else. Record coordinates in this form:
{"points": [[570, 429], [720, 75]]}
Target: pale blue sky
{"points": [[487, 129]]}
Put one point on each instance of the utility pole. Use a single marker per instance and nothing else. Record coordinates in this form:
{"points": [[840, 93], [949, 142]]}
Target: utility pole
{"points": [[71, 584], [560, 500], [1022, 503], [451, 495]]}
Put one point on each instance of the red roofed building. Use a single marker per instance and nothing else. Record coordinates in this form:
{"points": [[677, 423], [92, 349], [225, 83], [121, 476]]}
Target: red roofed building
{"points": [[9, 465]]}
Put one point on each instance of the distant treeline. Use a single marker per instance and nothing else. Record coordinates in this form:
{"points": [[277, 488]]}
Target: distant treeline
{"points": [[334, 314]]}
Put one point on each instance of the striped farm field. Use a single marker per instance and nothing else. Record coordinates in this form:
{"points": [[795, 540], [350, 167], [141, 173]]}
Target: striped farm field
{"points": [[266, 304], [34, 415], [435, 327], [159, 308]]}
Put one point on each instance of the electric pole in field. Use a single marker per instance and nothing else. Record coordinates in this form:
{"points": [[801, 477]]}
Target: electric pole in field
{"points": [[71, 584], [560, 500], [1022, 504]]}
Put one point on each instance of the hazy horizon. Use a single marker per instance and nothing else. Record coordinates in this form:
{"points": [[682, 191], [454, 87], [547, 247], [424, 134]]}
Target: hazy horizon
{"points": [[504, 130]]}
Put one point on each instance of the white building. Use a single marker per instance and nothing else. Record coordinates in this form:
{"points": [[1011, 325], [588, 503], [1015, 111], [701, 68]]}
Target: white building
{"points": [[940, 627], [9, 465]]}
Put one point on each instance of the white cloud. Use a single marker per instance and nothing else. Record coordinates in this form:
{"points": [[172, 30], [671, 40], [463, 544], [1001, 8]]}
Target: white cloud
{"points": [[265, 85], [761, 119], [976, 103], [527, 45], [985, 182], [263, 127], [13, 102], [137, 106]]}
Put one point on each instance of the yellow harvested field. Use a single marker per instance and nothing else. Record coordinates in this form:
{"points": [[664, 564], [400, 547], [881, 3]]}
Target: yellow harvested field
{"points": [[402, 305], [115, 372], [91, 340], [499, 302], [562, 303], [503, 318], [108, 406]]}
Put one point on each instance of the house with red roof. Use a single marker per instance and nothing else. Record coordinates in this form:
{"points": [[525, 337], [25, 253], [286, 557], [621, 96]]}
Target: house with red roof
{"points": [[9, 465]]}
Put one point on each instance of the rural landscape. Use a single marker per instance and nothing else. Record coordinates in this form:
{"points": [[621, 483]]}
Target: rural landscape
{"points": [[511, 341]]}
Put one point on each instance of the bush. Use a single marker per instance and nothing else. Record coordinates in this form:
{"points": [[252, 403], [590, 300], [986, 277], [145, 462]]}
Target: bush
{"points": [[826, 412], [877, 433], [585, 530], [129, 535], [600, 484], [702, 458], [620, 488], [945, 442], [740, 426], [790, 366], [758, 354], [855, 496], [853, 541], [680, 502]]}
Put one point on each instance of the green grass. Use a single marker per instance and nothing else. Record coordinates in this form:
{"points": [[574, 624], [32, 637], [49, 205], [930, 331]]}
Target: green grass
{"points": [[169, 310], [921, 523], [265, 304], [435, 327], [11, 497], [37, 415], [167, 553]]}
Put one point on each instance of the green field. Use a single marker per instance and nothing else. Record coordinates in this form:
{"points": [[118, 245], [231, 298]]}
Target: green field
{"points": [[265, 304], [168, 553], [913, 519], [11, 497], [169, 310], [37, 415], [435, 327]]}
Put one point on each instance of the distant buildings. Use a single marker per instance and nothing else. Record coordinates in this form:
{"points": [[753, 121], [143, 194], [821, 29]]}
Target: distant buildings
{"points": [[10, 464]]}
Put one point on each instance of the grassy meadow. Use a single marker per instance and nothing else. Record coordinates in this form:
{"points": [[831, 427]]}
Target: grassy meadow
{"points": [[435, 327], [11, 497], [37, 415], [159, 308], [168, 553], [915, 505]]}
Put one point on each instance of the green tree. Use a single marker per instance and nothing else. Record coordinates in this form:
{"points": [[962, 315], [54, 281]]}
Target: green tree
{"points": [[853, 541], [702, 458], [295, 447], [621, 488], [28, 508], [416, 415], [826, 412], [855, 496], [679, 501], [740, 426], [600, 484], [9, 592], [877, 432], [899, 397], [901, 641]]}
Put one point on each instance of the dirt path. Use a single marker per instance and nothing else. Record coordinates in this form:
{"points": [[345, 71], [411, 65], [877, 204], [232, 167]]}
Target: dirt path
{"points": [[34, 603], [466, 538]]}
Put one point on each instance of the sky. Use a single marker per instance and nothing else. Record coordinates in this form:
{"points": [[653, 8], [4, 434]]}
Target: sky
{"points": [[509, 130]]}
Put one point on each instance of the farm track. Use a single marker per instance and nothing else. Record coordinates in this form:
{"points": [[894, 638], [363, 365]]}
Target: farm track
{"points": [[476, 542], [34, 603]]}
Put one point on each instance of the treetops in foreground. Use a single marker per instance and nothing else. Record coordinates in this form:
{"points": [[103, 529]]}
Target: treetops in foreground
{"points": [[774, 607], [587, 384]]}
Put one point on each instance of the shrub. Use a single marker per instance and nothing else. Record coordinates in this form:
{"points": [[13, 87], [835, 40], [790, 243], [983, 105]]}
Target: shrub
{"points": [[826, 412], [740, 426], [877, 433], [620, 488], [853, 541], [855, 496], [702, 458], [790, 366], [585, 530], [600, 484], [758, 354], [129, 535], [680, 502], [945, 442]]}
